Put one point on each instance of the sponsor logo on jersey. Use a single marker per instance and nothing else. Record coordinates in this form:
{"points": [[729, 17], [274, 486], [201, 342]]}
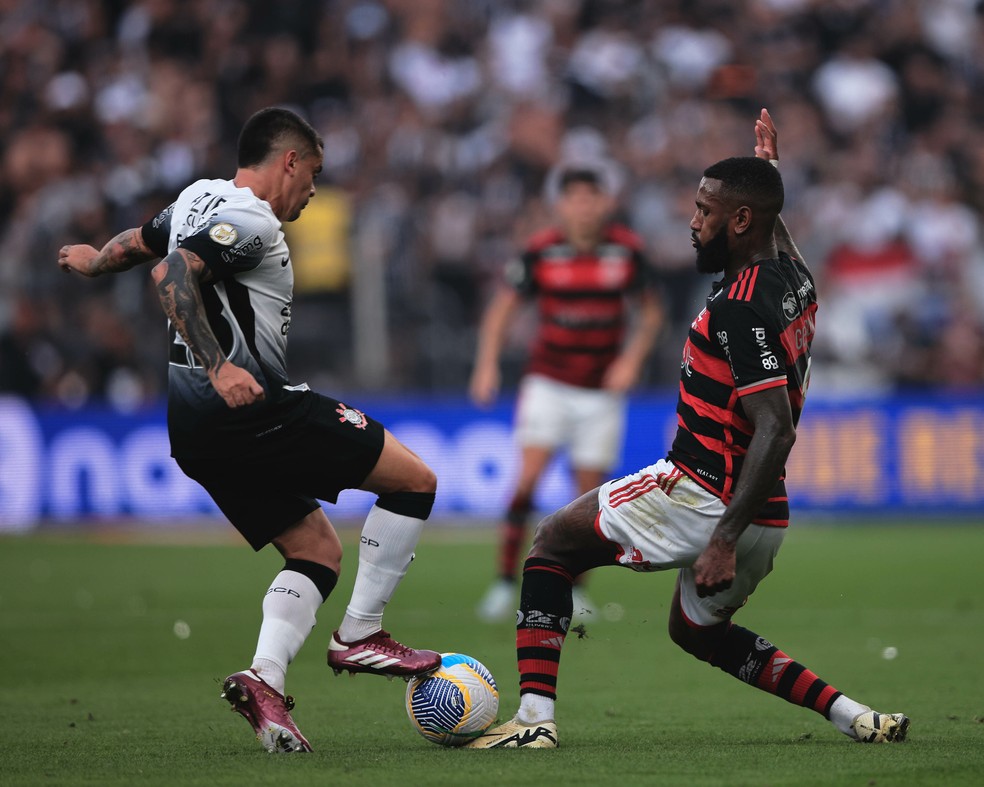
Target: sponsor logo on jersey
{"points": [[353, 416], [224, 234], [789, 306], [243, 249], [535, 619], [164, 217], [750, 670]]}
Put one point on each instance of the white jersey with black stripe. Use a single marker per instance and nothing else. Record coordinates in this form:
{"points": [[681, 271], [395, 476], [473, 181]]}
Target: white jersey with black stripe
{"points": [[247, 301]]}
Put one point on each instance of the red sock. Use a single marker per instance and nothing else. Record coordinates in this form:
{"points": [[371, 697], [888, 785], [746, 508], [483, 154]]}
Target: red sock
{"points": [[545, 608], [513, 534], [759, 663]]}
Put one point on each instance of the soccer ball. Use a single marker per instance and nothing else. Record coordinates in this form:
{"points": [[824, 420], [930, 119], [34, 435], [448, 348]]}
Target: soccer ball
{"points": [[455, 703]]}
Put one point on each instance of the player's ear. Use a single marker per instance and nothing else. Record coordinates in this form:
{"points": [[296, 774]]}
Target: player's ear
{"points": [[742, 220]]}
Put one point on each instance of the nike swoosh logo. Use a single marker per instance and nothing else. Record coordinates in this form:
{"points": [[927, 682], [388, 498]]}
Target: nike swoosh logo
{"points": [[284, 261], [527, 736]]}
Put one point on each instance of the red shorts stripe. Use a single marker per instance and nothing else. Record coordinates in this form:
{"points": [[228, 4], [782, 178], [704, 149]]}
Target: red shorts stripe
{"points": [[671, 480], [626, 488], [648, 484]]}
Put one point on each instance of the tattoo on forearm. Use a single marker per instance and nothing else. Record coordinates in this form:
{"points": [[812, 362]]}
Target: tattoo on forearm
{"points": [[178, 289], [122, 253]]}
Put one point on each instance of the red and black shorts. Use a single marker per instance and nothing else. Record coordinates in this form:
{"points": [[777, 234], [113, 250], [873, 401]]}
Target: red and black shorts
{"points": [[266, 482]]}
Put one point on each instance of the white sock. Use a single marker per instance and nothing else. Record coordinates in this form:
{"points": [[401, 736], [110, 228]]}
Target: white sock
{"points": [[289, 609], [843, 712], [385, 551], [534, 708]]}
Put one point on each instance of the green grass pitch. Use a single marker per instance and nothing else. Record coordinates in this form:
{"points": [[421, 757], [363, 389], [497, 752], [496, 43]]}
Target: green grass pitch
{"points": [[98, 689]]}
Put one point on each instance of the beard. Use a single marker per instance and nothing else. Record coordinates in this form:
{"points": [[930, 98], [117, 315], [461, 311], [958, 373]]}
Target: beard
{"points": [[713, 256]]}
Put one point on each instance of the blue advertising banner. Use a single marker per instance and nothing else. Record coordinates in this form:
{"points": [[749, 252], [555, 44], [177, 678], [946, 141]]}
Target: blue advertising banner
{"points": [[897, 455]]}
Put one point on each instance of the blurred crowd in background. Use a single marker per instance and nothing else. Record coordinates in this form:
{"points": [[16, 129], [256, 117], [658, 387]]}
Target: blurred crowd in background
{"points": [[441, 121]]}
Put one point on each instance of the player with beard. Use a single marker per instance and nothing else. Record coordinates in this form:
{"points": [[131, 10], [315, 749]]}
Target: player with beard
{"points": [[715, 508]]}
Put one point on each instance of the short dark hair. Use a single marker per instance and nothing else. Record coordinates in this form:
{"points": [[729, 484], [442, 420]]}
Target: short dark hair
{"points": [[586, 175], [749, 180], [271, 128]]}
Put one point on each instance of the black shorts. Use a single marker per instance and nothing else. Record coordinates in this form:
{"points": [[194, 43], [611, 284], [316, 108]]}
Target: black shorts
{"points": [[266, 482]]}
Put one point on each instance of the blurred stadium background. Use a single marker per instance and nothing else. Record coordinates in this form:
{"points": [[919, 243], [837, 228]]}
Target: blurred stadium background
{"points": [[441, 120]]}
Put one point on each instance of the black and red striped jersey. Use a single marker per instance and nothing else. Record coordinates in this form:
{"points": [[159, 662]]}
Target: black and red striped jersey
{"points": [[581, 301], [755, 333]]}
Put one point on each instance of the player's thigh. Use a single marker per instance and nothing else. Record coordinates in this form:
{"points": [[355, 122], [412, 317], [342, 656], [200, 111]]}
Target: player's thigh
{"points": [[597, 429], [755, 557], [568, 536], [399, 469], [541, 413]]}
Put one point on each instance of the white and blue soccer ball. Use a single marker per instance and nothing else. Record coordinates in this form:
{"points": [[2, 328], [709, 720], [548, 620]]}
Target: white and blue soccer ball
{"points": [[455, 703]]}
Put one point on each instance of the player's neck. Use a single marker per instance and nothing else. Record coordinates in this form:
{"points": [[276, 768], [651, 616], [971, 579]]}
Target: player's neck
{"points": [[260, 182], [747, 259], [584, 242]]}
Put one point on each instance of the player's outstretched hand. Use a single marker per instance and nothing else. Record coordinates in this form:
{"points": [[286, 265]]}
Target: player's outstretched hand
{"points": [[714, 570], [236, 385], [78, 258], [766, 137]]}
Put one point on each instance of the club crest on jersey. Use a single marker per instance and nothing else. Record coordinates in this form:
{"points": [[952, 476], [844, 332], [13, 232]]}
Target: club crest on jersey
{"points": [[688, 359], [354, 417], [224, 234]]}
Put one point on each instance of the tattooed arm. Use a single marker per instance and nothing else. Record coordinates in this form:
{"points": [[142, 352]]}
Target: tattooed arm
{"points": [[122, 253], [177, 277]]}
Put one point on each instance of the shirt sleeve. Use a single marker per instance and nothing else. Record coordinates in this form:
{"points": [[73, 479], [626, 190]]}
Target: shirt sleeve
{"points": [[232, 242], [157, 232], [646, 277], [519, 273], [751, 344]]}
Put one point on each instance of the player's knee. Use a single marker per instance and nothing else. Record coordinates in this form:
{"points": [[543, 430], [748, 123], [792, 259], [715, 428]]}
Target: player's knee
{"points": [[428, 481], [546, 539], [698, 642], [680, 636], [421, 479], [417, 505]]}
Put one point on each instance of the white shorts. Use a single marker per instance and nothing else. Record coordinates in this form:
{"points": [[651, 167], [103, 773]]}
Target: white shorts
{"points": [[660, 518], [589, 422]]}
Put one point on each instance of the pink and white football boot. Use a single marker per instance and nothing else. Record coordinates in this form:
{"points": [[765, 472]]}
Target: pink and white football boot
{"points": [[380, 654], [267, 711]]}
